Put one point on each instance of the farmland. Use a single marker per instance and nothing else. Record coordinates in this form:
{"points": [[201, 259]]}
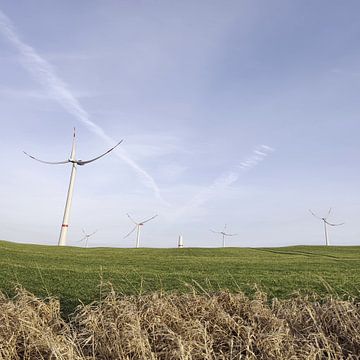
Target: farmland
{"points": [[72, 274]]}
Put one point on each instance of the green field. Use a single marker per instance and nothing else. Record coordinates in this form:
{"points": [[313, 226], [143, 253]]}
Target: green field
{"points": [[74, 274]]}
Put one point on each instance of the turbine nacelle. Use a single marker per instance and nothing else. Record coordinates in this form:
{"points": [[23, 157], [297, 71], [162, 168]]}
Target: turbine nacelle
{"points": [[226, 234], [77, 162]]}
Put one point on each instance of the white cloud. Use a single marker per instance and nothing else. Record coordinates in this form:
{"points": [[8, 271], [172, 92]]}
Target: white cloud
{"points": [[36, 94], [224, 181]]}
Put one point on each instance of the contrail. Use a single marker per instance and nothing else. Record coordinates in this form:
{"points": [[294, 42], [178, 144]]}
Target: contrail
{"points": [[226, 179], [44, 73]]}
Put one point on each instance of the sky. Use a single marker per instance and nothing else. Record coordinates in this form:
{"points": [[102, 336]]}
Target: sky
{"points": [[243, 113]]}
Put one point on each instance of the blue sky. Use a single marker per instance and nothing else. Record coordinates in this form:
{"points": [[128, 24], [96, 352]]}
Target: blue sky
{"points": [[237, 112]]}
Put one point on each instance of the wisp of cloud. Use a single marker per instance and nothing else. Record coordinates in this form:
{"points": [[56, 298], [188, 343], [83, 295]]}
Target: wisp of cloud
{"points": [[226, 179], [44, 73]]}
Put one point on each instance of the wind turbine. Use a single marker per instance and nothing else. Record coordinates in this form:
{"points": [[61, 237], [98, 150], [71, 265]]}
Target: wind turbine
{"points": [[74, 162], [86, 237], [324, 219], [137, 227], [180, 242], [224, 234]]}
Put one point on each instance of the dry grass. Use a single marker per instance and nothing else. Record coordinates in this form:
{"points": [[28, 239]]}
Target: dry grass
{"points": [[31, 328], [181, 326]]}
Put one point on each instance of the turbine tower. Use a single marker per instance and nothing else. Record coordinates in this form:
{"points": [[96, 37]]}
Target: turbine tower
{"points": [[137, 227], [86, 237], [72, 160], [324, 220], [224, 234]]}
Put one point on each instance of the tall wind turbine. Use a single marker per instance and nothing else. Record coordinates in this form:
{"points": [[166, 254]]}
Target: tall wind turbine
{"points": [[224, 234], [137, 227], [86, 237], [72, 160], [324, 220]]}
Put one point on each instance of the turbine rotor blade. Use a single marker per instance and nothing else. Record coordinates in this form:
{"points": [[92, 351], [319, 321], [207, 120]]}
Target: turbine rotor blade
{"points": [[128, 215], [318, 217], [81, 162], [334, 224], [72, 154], [230, 234], [46, 162], [216, 232], [328, 213], [130, 232], [153, 217], [93, 233]]}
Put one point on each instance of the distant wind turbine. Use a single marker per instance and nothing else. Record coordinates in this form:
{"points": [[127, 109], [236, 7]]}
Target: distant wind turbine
{"points": [[224, 234], [86, 237], [180, 242], [74, 162], [324, 220], [137, 227]]}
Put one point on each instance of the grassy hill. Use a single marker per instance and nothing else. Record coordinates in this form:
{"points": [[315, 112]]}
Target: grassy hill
{"points": [[74, 274]]}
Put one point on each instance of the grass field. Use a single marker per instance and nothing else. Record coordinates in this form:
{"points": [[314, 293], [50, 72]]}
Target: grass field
{"points": [[74, 274]]}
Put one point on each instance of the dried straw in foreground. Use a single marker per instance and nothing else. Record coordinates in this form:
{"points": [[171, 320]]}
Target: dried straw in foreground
{"points": [[31, 328], [181, 326]]}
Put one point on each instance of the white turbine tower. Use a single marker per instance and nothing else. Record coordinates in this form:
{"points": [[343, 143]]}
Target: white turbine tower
{"points": [[224, 234], [137, 227], [324, 220], [72, 160], [86, 236]]}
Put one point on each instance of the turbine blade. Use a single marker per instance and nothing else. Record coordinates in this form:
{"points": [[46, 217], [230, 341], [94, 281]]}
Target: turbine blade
{"points": [[328, 213], [315, 215], [129, 233], [82, 239], [230, 234], [81, 162], [46, 162], [216, 232], [72, 154], [334, 224], [93, 233], [145, 221], [128, 215]]}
